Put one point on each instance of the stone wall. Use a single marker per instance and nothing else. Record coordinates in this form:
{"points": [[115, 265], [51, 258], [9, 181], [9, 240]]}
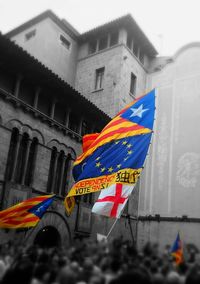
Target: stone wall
{"points": [[11, 193], [52, 53], [171, 178], [119, 63]]}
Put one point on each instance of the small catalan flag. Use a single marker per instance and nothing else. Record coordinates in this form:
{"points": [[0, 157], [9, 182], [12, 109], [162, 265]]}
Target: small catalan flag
{"points": [[25, 214], [177, 250]]}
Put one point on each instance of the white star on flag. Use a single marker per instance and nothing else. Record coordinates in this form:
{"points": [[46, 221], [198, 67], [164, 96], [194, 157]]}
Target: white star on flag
{"points": [[138, 111]]}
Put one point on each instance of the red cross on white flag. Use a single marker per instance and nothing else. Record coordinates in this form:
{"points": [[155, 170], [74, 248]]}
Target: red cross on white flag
{"points": [[112, 200]]}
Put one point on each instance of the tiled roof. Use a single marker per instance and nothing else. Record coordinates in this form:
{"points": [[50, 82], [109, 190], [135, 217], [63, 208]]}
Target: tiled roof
{"points": [[63, 24], [124, 21]]}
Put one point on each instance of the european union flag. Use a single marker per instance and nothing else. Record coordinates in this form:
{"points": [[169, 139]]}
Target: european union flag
{"points": [[118, 153]]}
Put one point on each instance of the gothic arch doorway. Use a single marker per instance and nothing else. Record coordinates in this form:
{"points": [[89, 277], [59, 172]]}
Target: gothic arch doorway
{"points": [[48, 237]]}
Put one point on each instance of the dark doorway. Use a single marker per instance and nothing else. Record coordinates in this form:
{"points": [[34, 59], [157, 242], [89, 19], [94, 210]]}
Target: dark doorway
{"points": [[48, 237]]}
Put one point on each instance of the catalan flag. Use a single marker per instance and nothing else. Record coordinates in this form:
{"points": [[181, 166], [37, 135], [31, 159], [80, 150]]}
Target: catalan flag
{"points": [[177, 250], [117, 154], [25, 214]]}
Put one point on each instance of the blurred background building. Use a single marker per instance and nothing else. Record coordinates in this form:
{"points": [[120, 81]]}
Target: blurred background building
{"points": [[56, 85]]}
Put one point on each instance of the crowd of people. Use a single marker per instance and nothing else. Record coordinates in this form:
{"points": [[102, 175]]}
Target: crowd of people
{"points": [[92, 262]]}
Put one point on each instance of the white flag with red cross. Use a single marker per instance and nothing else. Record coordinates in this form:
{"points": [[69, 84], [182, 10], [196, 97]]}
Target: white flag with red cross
{"points": [[112, 200]]}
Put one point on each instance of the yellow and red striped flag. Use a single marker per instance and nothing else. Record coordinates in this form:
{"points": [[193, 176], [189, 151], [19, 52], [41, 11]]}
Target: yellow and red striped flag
{"points": [[115, 151], [115, 155], [25, 214]]}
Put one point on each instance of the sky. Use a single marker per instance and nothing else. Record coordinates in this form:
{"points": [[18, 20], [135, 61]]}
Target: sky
{"points": [[169, 24]]}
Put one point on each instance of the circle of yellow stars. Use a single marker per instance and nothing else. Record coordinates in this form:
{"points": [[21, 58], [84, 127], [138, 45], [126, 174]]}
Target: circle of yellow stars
{"points": [[111, 169]]}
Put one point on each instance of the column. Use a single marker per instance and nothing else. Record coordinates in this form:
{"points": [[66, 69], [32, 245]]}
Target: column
{"points": [[19, 138], [17, 85], [35, 103], [67, 116], [62, 172], [97, 45], [108, 41], [30, 181], [26, 161], [80, 126], [132, 45], [54, 171], [138, 53], [52, 109]]}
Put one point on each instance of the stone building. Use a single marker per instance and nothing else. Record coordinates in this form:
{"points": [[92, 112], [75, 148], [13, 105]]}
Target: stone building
{"points": [[110, 65], [169, 195], [42, 120]]}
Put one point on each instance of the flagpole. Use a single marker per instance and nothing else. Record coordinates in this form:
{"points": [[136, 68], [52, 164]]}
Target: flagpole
{"points": [[112, 227]]}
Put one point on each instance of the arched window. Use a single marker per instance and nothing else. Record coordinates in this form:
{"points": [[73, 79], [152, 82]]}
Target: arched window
{"points": [[31, 162], [60, 177], [52, 169], [12, 153], [67, 177], [59, 173], [21, 158]]}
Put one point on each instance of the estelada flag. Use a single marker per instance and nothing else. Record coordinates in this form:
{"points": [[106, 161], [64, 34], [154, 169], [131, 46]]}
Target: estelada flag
{"points": [[177, 250], [25, 214], [117, 154]]}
